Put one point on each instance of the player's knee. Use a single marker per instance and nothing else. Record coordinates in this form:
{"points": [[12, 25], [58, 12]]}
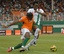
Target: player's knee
{"points": [[38, 29], [27, 35]]}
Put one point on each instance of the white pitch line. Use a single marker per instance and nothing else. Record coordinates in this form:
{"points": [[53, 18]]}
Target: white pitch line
{"points": [[44, 52]]}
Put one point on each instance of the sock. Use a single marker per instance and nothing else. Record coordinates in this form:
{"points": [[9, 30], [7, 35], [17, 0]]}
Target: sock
{"points": [[36, 34], [29, 44], [18, 46], [35, 38], [25, 41]]}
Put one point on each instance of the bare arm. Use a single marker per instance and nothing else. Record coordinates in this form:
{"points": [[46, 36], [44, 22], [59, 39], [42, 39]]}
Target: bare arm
{"points": [[13, 23], [4, 26]]}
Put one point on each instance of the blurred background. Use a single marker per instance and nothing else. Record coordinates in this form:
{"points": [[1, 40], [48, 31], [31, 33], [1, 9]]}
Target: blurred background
{"points": [[12, 10], [54, 9]]}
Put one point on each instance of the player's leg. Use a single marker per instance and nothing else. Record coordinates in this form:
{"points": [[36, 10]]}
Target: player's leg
{"points": [[25, 37], [29, 44], [36, 35], [33, 41], [15, 47], [19, 45], [36, 29]]}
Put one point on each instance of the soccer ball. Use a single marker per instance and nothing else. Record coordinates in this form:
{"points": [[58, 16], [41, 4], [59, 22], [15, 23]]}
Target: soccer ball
{"points": [[53, 48]]}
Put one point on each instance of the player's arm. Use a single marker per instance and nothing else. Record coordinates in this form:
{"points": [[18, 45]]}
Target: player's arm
{"points": [[12, 23], [6, 26], [43, 14]]}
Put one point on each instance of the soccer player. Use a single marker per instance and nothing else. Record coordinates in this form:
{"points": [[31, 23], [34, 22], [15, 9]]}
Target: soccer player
{"points": [[25, 29], [37, 14]]}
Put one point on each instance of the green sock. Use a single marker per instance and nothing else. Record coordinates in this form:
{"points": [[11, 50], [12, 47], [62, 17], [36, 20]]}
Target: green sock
{"points": [[18, 46], [25, 41]]}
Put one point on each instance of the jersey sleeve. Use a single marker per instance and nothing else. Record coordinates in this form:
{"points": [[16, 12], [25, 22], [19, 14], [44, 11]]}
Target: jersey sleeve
{"points": [[22, 19], [42, 11], [30, 10]]}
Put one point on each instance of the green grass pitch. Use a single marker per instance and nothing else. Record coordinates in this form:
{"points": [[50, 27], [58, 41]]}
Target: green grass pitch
{"points": [[43, 45]]}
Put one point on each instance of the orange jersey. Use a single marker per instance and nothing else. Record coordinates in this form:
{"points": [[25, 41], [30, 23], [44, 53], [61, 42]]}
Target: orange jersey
{"points": [[27, 23]]}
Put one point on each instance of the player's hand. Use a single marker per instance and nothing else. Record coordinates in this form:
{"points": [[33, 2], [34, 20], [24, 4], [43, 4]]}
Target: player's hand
{"points": [[4, 26]]}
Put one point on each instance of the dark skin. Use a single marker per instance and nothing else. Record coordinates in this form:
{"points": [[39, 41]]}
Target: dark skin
{"points": [[36, 7], [29, 16]]}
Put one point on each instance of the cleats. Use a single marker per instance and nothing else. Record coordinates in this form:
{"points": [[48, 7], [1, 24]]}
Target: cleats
{"points": [[22, 50], [27, 49], [9, 49], [34, 43]]}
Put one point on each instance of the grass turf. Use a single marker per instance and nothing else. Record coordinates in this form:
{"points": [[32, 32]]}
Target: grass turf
{"points": [[44, 43]]}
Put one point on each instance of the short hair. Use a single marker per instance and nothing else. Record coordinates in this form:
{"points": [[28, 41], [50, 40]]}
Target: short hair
{"points": [[29, 15]]}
